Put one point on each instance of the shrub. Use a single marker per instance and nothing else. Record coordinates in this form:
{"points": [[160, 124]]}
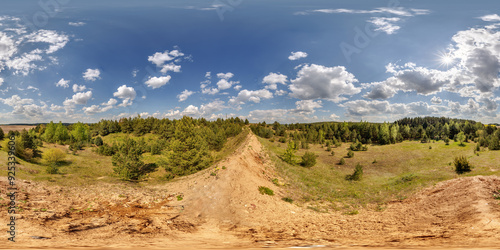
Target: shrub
{"points": [[342, 161], [350, 154], [53, 156], [357, 175], [308, 159], [447, 141], [287, 199], [276, 182], [98, 141], [358, 146], [494, 143], [78, 145], [52, 169], [28, 154], [155, 149], [462, 165], [332, 153], [265, 190], [106, 150]]}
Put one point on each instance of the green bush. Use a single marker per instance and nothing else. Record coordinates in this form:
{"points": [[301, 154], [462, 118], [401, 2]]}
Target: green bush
{"points": [[107, 150], [357, 175], [265, 190], [155, 148], [52, 169], [358, 146], [309, 159], [287, 199], [342, 161], [350, 154], [98, 141], [462, 165], [53, 156], [494, 143]]}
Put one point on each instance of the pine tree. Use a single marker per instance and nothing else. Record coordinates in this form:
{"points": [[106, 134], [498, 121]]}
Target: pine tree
{"points": [[394, 131], [127, 161], [49, 133], [190, 151], [461, 138], [80, 132], [61, 134], [289, 153]]}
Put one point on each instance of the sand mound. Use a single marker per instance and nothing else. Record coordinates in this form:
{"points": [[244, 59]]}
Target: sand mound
{"points": [[222, 207]]}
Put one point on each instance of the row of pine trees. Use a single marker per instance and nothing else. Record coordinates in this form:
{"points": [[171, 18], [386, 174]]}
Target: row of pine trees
{"points": [[423, 129]]}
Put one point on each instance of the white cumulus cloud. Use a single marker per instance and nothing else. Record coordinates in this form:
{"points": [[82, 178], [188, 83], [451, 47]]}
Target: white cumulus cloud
{"points": [[92, 74], [297, 55], [156, 82], [56, 40], [78, 99], [273, 79], [78, 88], [320, 82], [251, 95], [184, 95], [62, 83], [127, 94], [490, 18]]}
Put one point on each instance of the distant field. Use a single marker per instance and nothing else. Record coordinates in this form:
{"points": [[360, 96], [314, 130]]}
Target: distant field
{"points": [[7, 128]]}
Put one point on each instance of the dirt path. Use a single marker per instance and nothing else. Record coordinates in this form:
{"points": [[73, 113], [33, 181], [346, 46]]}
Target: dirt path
{"points": [[221, 207]]}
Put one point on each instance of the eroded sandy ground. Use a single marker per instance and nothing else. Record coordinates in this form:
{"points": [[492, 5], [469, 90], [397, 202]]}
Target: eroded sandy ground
{"points": [[227, 211]]}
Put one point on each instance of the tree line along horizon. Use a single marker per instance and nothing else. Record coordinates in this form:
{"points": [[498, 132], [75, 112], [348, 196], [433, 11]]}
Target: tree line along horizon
{"points": [[187, 143]]}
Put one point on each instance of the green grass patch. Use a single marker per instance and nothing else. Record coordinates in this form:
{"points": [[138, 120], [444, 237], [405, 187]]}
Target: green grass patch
{"points": [[265, 190]]}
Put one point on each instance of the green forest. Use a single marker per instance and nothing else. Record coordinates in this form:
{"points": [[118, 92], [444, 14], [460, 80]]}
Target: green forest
{"points": [[186, 143]]}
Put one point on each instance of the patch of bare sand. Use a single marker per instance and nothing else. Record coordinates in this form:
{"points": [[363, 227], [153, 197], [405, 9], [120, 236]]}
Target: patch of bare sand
{"points": [[227, 211]]}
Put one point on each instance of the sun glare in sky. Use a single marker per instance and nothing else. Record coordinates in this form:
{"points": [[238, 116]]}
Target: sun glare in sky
{"points": [[446, 59]]}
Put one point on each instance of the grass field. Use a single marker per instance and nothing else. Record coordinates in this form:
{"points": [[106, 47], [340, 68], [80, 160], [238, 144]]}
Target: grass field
{"points": [[391, 172]]}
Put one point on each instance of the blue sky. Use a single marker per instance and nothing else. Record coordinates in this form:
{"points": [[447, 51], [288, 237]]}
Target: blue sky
{"points": [[290, 61]]}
